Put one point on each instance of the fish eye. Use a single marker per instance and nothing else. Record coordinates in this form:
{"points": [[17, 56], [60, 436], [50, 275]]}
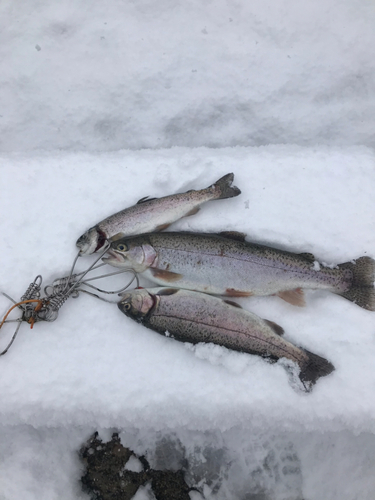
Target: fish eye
{"points": [[127, 306], [122, 247]]}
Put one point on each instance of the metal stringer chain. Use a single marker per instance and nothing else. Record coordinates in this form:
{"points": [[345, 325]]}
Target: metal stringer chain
{"points": [[36, 308]]}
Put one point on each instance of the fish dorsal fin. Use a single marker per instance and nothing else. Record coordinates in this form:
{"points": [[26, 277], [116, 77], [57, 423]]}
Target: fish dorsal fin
{"points": [[294, 297], [116, 237], [233, 235], [308, 256], [143, 200], [275, 327], [168, 276], [168, 291], [231, 303]]}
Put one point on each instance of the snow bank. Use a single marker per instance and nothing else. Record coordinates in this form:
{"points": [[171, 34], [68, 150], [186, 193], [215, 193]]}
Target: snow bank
{"points": [[93, 366]]}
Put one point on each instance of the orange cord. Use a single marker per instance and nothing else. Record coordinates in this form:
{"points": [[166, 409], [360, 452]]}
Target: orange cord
{"points": [[31, 320], [37, 308]]}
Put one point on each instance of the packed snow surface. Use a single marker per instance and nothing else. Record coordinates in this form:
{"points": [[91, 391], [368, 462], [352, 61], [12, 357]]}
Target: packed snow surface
{"points": [[97, 76], [94, 367]]}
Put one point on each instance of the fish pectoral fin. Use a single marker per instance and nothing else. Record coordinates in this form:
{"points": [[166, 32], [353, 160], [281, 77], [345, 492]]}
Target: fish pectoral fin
{"points": [[193, 211], [146, 198], [168, 291], [116, 237], [295, 297], [165, 275], [231, 303], [233, 235], [163, 226], [275, 327]]}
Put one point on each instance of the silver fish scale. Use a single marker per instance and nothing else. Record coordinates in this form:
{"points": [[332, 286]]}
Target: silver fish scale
{"points": [[214, 264], [194, 317], [153, 213]]}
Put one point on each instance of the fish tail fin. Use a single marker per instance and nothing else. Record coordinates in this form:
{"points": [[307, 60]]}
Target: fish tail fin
{"points": [[313, 369], [361, 291], [224, 189]]}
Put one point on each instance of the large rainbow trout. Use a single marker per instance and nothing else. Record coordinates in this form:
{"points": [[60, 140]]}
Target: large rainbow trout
{"points": [[226, 264], [153, 214], [197, 317]]}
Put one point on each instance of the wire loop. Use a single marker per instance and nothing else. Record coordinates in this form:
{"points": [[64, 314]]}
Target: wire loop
{"points": [[36, 308]]}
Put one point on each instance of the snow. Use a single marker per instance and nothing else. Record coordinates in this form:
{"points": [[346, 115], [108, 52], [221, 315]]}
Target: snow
{"points": [[134, 465], [94, 367], [102, 106], [132, 75]]}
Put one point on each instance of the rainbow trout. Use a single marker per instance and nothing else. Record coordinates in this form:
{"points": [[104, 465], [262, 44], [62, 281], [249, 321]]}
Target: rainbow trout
{"points": [[226, 264], [197, 317], [153, 214]]}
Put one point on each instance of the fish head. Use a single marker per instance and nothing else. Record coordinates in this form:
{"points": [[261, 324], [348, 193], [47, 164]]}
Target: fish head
{"points": [[135, 253], [137, 304], [91, 241]]}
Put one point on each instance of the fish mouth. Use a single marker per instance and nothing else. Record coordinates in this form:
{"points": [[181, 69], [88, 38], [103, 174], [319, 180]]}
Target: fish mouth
{"points": [[83, 243], [89, 242], [114, 258], [142, 304]]}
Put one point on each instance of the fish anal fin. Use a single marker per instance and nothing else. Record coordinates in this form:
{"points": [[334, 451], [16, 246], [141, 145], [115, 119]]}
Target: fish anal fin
{"points": [[168, 276], [193, 211], [231, 292], [233, 235], [275, 327], [295, 297], [162, 227], [168, 291], [116, 237], [231, 303]]}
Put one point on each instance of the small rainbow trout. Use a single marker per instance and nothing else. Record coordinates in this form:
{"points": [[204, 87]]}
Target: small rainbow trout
{"points": [[197, 317], [153, 214]]}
